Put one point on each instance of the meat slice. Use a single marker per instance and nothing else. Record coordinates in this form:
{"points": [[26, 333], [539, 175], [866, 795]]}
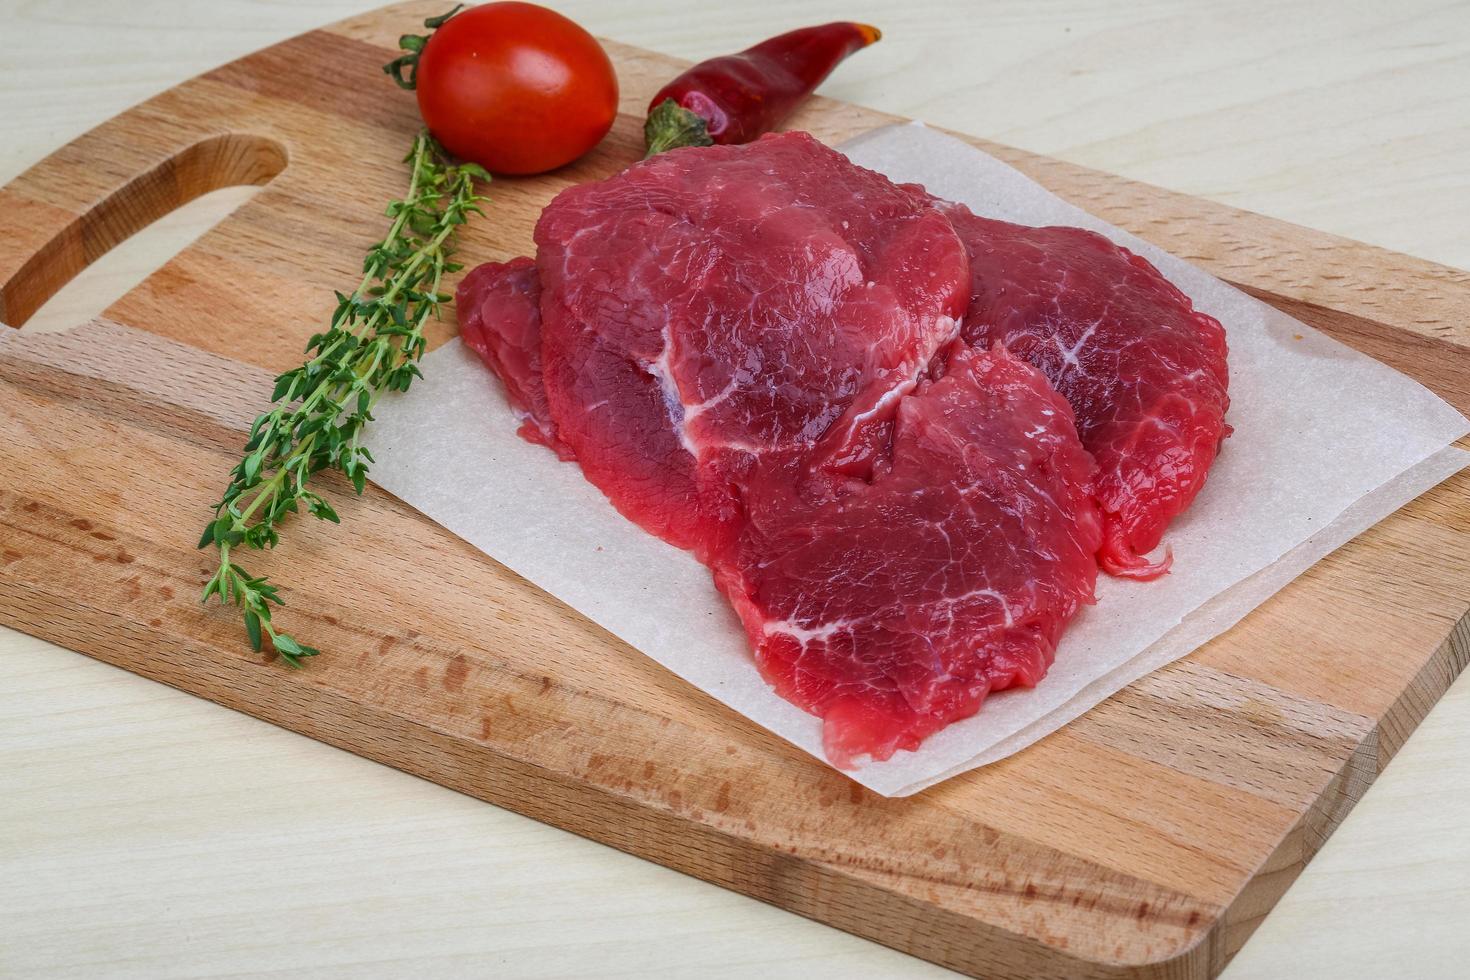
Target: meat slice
{"points": [[700, 310], [752, 350], [1143, 370], [892, 609], [499, 306]]}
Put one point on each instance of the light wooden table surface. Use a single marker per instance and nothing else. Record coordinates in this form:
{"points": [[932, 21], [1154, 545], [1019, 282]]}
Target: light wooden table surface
{"points": [[145, 832]]}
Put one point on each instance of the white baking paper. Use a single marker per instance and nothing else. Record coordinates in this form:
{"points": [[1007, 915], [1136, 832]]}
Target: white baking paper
{"points": [[1327, 442]]}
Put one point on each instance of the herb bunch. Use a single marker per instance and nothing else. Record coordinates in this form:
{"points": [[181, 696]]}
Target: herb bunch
{"points": [[320, 408]]}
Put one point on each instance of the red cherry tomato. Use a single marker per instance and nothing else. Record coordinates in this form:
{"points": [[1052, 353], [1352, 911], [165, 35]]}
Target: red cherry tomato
{"points": [[516, 88]]}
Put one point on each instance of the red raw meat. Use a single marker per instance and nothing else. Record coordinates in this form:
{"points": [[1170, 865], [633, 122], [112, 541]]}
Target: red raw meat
{"points": [[892, 608], [1144, 371], [500, 319], [709, 308], [751, 350]]}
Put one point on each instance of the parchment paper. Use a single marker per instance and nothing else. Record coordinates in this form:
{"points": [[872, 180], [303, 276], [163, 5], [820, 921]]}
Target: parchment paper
{"points": [[1327, 442]]}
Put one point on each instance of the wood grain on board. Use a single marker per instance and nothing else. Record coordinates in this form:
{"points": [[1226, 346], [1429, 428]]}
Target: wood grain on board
{"points": [[1145, 839]]}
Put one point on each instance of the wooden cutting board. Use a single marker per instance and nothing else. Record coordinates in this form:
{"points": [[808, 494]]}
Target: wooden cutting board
{"points": [[1145, 839]]}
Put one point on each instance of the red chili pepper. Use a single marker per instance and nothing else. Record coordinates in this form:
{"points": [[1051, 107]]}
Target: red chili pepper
{"points": [[737, 97]]}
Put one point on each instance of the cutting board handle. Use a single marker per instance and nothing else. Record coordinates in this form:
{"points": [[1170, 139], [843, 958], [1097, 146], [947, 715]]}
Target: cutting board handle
{"points": [[62, 214]]}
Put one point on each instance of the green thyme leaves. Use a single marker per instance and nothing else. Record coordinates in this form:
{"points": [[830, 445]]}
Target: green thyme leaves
{"points": [[319, 409]]}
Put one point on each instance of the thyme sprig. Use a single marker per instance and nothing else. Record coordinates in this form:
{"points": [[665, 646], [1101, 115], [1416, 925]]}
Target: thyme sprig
{"points": [[320, 408]]}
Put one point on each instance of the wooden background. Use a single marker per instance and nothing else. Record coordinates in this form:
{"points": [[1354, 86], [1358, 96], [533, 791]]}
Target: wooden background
{"points": [[234, 835]]}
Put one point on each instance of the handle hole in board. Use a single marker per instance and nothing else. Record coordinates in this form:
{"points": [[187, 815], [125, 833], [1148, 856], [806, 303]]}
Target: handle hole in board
{"points": [[174, 203]]}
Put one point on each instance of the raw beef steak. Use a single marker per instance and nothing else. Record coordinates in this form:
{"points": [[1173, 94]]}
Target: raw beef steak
{"points": [[700, 310], [500, 319], [1144, 372], [892, 608], [751, 350]]}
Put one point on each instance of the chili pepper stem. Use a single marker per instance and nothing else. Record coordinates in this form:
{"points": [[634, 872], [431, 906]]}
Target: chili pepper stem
{"points": [[670, 126]]}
